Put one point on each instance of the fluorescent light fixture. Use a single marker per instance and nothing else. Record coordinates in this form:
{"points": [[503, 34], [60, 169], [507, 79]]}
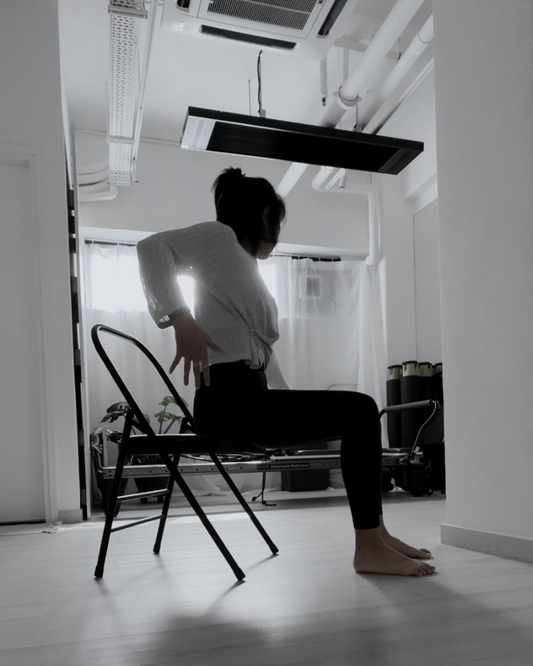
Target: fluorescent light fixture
{"points": [[237, 134]]}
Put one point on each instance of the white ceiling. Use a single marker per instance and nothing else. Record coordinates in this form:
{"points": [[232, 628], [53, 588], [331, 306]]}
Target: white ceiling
{"points": [[187, 71]]}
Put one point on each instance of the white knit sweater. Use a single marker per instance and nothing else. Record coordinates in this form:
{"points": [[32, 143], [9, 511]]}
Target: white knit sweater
{"points": [[232, 302]]}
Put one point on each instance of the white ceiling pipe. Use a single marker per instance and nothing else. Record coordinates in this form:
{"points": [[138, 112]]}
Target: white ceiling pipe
{"points": [[347, 95], [371, 60], [374, 229], [339, 177], [99, 192], [93, 178], [354, 188], [103, 165], [324, 80], [291, 177], [321, 176], [376, 123], [415, 49]]}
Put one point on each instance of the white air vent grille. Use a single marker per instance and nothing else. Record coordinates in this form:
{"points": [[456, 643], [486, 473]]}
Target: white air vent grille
{"points": [[305, 27], [292, 14]]}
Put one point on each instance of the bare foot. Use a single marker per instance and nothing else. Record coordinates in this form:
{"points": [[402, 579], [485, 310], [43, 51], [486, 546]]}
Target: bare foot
{"points": [[386, 560], [405, 549], [376, 553], [401, 547]]}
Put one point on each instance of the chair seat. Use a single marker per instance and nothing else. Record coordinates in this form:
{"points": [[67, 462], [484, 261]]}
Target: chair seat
{"points": [[183, 443], [178, 443]]}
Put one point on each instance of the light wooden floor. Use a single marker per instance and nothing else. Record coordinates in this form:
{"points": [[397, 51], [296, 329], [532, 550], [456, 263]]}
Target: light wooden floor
{"points": [[306, 606]]}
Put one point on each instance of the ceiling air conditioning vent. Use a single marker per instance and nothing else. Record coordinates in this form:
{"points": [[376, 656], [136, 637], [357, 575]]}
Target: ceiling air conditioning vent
{"points": [[331, 18], [291, 14], [268, 42], [306, 27]]}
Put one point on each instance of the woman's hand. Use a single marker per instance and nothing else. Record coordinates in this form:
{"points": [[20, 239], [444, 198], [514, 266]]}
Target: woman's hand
{"points": [[192, 343]]}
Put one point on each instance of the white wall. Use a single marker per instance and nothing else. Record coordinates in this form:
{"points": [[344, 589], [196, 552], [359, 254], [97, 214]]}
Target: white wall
{"points": [[175, 191], [411, 269], [398, 269], [409, 214], [484, 92], [36, 236], [427, 284]]}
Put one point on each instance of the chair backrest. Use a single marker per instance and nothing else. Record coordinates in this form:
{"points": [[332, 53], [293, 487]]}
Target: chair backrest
{"points": [[144, 426]]}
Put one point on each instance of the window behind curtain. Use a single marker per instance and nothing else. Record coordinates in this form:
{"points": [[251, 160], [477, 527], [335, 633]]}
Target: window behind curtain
{"points": [[331, 330]]}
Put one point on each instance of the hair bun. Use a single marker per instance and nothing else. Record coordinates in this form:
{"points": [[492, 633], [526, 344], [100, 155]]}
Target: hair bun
{"points": [[233, 173]]}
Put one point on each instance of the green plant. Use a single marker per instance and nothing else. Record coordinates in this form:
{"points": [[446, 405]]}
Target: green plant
{"points": [[118, 409], [103, 433], [163, 415]]}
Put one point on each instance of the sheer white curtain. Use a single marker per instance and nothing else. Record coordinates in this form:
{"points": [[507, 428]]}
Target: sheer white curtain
{"points": [[331, 333], [331, 328]]}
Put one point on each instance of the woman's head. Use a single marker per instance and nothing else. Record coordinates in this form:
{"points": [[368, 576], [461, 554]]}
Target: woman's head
{"points": [[250, 206]]}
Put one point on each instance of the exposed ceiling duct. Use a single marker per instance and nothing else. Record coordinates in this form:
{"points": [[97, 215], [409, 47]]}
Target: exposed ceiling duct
{"points": [[348, 94], [411, 54], [93, 182], [374, 115], [132, 31]]}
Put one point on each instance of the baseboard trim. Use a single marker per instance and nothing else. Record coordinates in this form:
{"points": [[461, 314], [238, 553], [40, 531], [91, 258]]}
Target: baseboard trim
{"points": [[500, 545]]}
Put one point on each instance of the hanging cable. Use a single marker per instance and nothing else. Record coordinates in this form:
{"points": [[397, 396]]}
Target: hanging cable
{"points": [[261, 111], [357, 100]]}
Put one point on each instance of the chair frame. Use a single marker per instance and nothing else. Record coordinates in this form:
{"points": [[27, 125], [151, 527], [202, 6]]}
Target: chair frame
{"points": [[169, 447]]}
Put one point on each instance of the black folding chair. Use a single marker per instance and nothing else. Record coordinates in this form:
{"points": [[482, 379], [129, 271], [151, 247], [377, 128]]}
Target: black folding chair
{"points": [[169, 447]]}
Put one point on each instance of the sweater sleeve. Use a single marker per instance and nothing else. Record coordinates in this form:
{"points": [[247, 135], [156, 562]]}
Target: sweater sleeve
{"points": [[163, 256]]}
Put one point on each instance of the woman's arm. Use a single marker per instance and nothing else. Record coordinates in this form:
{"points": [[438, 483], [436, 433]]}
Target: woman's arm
{"points": [[163, 256], [194, 251], [192, 343]]}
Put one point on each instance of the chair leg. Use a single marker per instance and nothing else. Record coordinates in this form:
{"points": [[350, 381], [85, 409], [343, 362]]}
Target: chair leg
{"points": [[227, 478], [172, 466], [164, 513], [110, 514]]}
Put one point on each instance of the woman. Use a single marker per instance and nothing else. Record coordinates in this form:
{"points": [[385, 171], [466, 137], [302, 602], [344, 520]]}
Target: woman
{"points": [[240, 389]]}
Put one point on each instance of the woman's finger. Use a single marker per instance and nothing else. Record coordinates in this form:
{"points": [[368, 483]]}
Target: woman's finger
{"points": [[186, 370], [197, 369], [206, 374], [213, 345], [174, 364]]}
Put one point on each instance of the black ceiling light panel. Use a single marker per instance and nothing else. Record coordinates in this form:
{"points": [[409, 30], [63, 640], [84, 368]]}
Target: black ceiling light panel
{"points": [[237, 134]]}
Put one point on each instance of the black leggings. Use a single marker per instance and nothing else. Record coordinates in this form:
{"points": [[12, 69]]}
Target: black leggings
{"points": [[238, 405]]}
